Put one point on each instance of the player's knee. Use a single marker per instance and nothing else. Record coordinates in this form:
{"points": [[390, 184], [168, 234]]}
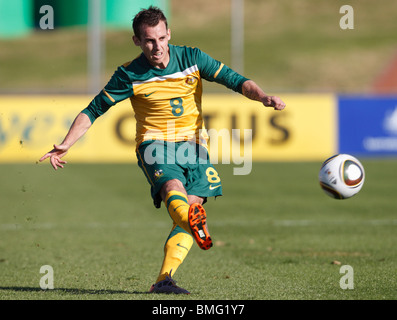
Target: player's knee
{"points": [[195, 199], [171, 185]]}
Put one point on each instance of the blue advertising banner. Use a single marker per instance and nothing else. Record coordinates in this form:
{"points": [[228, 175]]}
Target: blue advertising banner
{"points": [[367, 125]]}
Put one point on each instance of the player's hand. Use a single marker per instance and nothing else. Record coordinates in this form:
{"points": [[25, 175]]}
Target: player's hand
{"points": [[55, 156], [273, 101]]}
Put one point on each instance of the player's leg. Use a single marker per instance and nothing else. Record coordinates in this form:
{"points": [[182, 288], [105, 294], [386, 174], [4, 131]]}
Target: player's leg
{"points": [[176, 201], [179, 204], [176, 248], [187, 212], [179, 241], [161, 175]]}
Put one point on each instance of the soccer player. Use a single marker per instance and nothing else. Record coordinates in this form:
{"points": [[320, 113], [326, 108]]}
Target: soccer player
{"points": [[164, 84]]}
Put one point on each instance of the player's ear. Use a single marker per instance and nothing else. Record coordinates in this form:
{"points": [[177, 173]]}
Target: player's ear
{"points": [[169, 34], [136, 40]]}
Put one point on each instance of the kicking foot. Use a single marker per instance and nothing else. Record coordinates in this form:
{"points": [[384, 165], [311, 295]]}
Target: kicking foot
{"points": [[198, 226]]}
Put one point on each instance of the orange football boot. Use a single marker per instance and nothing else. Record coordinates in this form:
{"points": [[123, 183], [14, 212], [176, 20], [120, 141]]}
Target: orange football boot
{"points": [[198, 226]]}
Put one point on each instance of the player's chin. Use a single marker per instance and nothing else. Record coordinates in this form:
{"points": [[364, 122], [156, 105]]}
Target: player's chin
{"points": [[157, 57]]}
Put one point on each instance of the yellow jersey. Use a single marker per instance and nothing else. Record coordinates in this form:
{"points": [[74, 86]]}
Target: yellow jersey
{"points": [[166, 102]]}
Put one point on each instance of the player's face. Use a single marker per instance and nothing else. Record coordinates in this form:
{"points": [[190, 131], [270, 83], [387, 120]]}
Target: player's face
{"points": [[154, 44]]}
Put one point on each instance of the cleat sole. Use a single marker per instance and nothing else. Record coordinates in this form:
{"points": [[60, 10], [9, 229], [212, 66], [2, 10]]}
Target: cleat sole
{"points": [[198, 226]]}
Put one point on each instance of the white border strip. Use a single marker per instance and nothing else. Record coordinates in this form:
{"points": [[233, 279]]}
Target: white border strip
{"points": [[177, 75]]}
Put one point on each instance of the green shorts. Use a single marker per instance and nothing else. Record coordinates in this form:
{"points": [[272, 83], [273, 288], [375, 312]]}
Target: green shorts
{"points": [[186, 161]]}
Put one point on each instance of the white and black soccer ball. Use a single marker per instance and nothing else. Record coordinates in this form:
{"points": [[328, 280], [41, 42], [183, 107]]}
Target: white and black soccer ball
{"points": [[341, 176]]}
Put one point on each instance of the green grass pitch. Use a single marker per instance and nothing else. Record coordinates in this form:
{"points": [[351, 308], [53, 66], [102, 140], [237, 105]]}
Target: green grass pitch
{"points": [[277, 235]]}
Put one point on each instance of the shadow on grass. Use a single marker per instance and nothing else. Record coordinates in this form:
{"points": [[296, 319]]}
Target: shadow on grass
{"points": [[72, 290]]}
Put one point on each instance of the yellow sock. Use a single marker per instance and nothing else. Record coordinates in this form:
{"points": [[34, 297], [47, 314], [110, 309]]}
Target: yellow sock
{"points": [[178, 208], [176, 249]]}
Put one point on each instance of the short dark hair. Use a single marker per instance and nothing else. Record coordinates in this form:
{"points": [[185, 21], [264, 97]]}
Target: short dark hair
{"points": [[151, 17]]}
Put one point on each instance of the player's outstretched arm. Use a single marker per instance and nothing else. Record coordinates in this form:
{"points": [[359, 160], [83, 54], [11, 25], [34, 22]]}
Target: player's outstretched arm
{"points": [[252, 91], [78, 128]]}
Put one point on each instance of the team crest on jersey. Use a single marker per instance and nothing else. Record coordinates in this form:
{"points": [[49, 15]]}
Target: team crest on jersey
{"points": [[191, 80], [158, 174]]}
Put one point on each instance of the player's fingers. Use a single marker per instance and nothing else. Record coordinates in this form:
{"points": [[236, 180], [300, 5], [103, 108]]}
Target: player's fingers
{"points": [[60, 162], [278, 104], [53, 162], [47, 155], [56, 162]]}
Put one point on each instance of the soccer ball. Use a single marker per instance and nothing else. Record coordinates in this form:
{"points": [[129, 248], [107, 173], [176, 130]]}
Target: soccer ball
{"points": [[341, 176]]}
